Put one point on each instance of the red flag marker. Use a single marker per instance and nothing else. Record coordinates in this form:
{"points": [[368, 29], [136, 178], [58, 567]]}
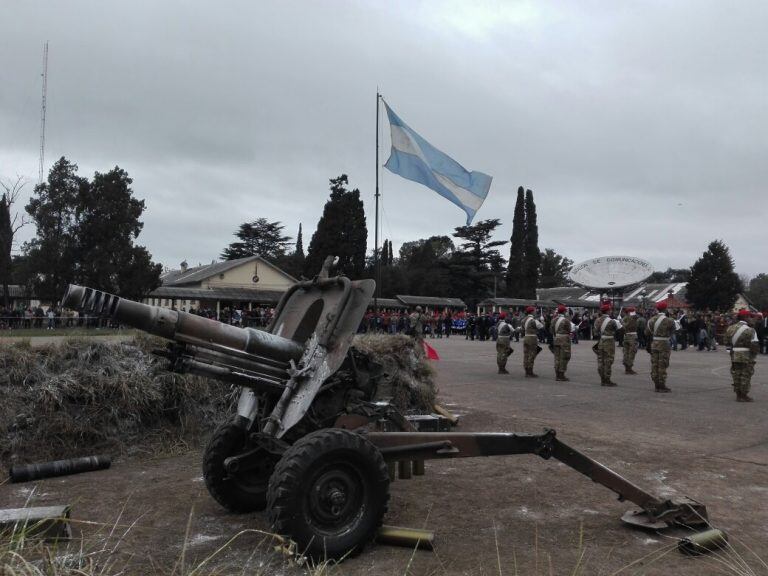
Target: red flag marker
{"points": [[430, 352]]}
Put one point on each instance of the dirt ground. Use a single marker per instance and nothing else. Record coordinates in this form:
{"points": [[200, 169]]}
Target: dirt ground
{"points": [[504, 515]]}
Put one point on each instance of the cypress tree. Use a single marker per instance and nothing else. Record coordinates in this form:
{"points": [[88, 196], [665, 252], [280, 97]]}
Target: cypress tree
{"points": [[390, 257], [514, 277], [532, 254], [299, 252], [340, 232]]}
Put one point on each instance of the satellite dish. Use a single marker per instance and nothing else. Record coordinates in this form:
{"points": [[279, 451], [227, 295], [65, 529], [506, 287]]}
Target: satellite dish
{"points": [[610, 272]]}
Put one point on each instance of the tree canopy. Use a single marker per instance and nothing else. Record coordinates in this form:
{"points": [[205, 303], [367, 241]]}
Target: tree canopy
{"points": [[758, 291], [86, 233], [340, 232], [554, 269], [522, 276], [477, 266], [713, 283], [258, 238]]}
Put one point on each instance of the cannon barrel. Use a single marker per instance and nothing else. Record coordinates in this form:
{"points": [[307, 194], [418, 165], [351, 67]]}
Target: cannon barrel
{"points": [[182, 326]]}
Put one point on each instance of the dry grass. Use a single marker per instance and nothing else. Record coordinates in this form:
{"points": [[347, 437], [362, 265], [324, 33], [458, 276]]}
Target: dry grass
{"points": [[78, 396], [409, 379]]}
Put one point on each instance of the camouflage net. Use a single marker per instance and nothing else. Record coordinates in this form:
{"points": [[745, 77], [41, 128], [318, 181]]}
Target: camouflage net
{"points": [[78, 397], [408, 379]]}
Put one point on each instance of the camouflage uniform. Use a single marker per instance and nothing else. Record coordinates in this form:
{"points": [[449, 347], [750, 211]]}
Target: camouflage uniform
{"points": [[606, 328], [630, 342], [659, 330], [503, 349], [531, 328], [742, 340], [562, 345], [416, 324]]}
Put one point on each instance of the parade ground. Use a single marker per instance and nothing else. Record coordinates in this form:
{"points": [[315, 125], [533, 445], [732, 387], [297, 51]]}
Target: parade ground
{"points": [[503, 515]]}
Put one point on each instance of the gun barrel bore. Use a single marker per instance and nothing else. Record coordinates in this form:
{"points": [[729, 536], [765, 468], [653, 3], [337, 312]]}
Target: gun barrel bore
{"points": [[407, 537]]}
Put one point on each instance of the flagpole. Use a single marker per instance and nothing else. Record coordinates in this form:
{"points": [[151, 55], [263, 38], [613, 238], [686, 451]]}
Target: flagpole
{"points": [[376, 257]]}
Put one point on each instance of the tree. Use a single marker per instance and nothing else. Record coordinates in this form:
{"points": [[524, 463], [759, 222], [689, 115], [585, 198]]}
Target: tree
{"points": [[714, 284], [384, 257], [299, 251], [390, 257], [670, 275], [425, 268], [532, 254], [9, 226], [340, 232], [758, 291], [554, 269], [86, 233], [477, 264], [108, 224], [52, 255], [514, 278], [258, 238]]}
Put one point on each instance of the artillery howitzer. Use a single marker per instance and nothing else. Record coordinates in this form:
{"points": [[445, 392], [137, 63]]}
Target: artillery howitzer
{"points": [[308, 442]]}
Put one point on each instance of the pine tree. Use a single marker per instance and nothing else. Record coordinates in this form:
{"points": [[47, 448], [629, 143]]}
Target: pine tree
{"points": [[514, 277], [258, 238], [714, 284], [340, 232], [478, 262], [532, 253], [390, 257]]}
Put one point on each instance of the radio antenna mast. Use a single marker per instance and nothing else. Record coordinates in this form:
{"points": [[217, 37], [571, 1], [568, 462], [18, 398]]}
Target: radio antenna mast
{"points": [[42, 112]]}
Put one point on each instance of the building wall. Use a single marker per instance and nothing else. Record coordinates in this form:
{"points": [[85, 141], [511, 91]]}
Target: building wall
{"points": [[242, 277]]}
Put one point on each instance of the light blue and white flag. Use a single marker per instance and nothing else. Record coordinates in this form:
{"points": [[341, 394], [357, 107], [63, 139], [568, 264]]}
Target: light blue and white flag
{"points": [[416, 159]]}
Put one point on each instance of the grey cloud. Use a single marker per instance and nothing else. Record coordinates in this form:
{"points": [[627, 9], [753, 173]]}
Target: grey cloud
{"points": [[613, 114]]}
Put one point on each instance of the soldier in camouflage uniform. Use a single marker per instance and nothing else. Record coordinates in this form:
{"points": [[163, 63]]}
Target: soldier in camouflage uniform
{"points": [[503, 349], [416, 324], [629, 322], [605, 348], [561, 330], [742, 340], [530, 327], [658, 331]]}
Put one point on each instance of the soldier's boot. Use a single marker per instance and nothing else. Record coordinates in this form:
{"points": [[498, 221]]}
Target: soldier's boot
{"points": [[662, 388], [561, 377], [628, 370], [503, 370], [609, 383], [743, 397]]}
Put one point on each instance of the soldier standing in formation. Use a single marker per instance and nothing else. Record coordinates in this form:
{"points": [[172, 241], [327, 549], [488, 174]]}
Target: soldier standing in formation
{"points": [[416, 324], [531, 328], [503, 349], [561, 329], [659, 330], [742, 340], [605, 348], [629, 322]]}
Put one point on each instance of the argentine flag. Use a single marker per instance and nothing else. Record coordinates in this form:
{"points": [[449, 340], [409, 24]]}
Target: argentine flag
{"points": [[416, 159]]}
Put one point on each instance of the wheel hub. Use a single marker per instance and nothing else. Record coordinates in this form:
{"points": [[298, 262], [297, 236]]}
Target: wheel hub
{"points": [[335, 497]]}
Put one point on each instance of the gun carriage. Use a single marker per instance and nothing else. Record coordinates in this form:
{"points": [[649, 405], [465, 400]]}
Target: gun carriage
{"points": [[309, 442]]}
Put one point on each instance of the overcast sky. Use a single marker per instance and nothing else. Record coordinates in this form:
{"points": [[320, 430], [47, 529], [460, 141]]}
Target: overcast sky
{"points": [[641, 127]]}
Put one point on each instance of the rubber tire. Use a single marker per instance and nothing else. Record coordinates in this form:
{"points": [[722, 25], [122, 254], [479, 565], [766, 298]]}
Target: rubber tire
{"points": [[236, 496], [291, 486]]}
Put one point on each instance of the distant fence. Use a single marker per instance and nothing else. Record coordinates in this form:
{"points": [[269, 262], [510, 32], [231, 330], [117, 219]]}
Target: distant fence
{"points": [[93, 322]]}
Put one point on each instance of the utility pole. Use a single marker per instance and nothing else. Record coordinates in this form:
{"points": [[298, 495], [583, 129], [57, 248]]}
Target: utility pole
{"points": [[42, 112]]}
